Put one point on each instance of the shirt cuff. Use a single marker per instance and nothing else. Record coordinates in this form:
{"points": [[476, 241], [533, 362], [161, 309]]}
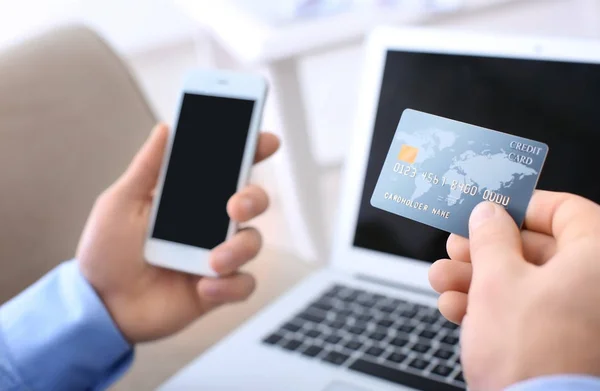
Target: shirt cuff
{"points": [[559, 383], [59, 335]]}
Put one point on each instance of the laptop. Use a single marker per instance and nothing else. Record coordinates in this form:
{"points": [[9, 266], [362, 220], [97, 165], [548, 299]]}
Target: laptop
{"points": [[368, 320]]}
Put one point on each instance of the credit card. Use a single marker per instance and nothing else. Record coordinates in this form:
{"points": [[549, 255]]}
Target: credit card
{"points": [[437, 170]]}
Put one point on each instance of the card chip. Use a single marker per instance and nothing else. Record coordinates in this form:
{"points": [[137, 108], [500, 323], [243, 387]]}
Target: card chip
{"points": [[408, 153]]}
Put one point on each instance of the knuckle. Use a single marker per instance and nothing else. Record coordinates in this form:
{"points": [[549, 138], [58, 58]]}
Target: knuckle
{"points": [[247, 287], [252, 240], [251, 285]]}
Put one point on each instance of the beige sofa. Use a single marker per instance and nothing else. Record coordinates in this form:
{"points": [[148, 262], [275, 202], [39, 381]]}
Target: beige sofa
{"points": [[71, 118]]}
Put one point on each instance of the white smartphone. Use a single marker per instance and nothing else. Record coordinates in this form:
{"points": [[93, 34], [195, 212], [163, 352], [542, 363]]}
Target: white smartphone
{"points": [[208, 158]]}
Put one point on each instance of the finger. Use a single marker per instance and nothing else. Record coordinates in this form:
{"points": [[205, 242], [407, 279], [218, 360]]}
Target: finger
{"points": [[268, 144], [228, 257], [247, 204], [566, 217], [449, 275], [453, 305], [494, 240], [230, 289], [142, 174], [538, 248], [457, 248]]}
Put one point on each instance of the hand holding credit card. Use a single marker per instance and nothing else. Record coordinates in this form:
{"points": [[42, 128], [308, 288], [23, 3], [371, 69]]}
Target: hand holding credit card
{"points": [[437, 170]]}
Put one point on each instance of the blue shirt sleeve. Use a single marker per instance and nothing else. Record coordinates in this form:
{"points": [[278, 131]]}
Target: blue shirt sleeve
{"points": [[559, 383], [57, 335]]}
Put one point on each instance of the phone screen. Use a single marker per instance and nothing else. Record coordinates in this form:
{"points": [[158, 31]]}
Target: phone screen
{"points": [[203, 170]]}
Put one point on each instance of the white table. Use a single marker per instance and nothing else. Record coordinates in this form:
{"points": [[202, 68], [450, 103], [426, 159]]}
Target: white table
{"points": [[244, 36]]}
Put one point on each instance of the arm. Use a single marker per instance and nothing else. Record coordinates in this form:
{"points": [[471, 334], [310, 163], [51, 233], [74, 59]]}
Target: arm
{"points": [[559, 383], [57, 335]]}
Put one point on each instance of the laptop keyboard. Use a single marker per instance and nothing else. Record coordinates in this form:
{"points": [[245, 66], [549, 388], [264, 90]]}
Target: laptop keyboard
{"points": [[392, 339]]}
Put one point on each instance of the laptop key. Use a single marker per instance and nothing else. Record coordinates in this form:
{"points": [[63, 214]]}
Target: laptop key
{"points": [[353, 345], [418, 363], [344, 291], [312, 351], [428, 334], [364, 317], [399, 377], [379, 297], [336, 288], [336, 358], [406, 328], [398, 302], [349, 297], [459, 377], [333, 339], [443, 354], [377, 336], [356, 330], [396, 358], [366, 299], [450, 340], [442, 370], [312, 316], [385, 322], [353, 295], [292, 344], [409, 313], [399, 341], [313, 333], [336, 324], [360, 292], [420, 347], [449, 325], [374, 351], [387, 309], [429, 319], [291, 327], [322, 305], [272, 339]]}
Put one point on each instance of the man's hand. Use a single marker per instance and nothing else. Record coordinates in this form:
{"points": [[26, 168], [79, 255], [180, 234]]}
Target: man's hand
{"points": [[148, 302], [528, 301]]}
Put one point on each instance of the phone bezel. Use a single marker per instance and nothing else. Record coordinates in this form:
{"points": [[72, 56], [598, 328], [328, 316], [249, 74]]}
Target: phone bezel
{"points": [[186, 258]]}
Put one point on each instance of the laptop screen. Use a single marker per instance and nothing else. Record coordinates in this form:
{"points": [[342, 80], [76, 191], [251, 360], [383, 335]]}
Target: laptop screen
{"points": [[557, 103]]}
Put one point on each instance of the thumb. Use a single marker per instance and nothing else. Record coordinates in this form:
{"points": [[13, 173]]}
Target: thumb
{"points": [[494, 240], [141, 176]]}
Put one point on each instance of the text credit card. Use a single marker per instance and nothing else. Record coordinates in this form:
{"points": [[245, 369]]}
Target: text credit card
{"points": [[437, 170]]}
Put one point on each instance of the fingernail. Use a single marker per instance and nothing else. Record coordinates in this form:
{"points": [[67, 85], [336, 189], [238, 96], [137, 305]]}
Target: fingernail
{"points": [[481, 213]]}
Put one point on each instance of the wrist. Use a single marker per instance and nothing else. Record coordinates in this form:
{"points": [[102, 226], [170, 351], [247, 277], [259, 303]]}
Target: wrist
{"points": [[111, 299], [57, 327]]}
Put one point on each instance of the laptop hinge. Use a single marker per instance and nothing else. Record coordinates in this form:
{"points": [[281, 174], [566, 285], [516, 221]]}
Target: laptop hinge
{"points": [[396, 285]]}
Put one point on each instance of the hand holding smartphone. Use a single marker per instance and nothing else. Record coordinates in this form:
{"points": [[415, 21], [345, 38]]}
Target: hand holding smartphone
{"points": [[209, 155]]}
